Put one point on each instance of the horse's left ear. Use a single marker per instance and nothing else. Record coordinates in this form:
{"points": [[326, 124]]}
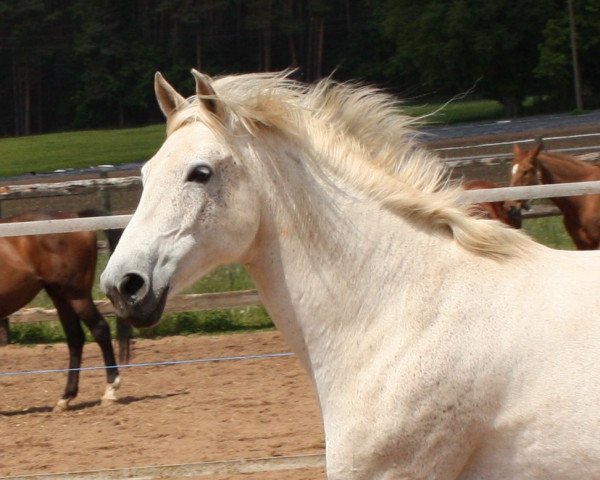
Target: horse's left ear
{"points": [[168, 98], [207, 96]]}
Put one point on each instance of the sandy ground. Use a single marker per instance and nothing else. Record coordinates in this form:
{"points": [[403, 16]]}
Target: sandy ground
{"points": [[165, 415]]}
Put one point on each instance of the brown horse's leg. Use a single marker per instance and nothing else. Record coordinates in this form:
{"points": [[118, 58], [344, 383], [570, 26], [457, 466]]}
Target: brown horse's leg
{"points": [[75, 340], [86, 310]]}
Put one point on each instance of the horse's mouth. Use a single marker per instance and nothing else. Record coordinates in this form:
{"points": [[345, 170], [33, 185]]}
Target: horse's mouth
{"points": [[145, 313]]}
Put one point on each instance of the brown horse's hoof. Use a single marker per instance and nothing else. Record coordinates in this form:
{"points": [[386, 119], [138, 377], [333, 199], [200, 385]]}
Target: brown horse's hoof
{"points": [[107, 402], [110, 394], [62, 405]]}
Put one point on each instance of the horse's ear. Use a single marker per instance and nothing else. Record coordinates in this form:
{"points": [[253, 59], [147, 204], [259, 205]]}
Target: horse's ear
{"points": [[168, 99], [207, 96], [536, 151], [517, 151]]}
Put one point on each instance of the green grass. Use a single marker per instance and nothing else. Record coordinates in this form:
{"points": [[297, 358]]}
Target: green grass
{"points": [[549, 231], [455, 112], [46, 153], [49, 152], [189, 323], [224, 279]]}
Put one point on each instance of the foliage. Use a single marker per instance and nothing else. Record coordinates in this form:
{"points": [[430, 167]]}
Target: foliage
{"points": [[463, 44], [90, 63], [555, 66]]}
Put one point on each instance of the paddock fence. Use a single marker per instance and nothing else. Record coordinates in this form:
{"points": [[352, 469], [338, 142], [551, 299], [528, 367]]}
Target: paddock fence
{"points": [[197, 302], [471, 196], [240, 299]]}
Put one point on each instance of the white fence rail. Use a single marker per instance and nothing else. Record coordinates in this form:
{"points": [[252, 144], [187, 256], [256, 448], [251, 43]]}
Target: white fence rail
{"points": [[531, 192], [39, 227], [71, 187], [469, 196]]}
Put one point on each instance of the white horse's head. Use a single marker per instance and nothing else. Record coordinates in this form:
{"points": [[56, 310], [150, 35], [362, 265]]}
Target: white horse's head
{"points": [[198, 210]]}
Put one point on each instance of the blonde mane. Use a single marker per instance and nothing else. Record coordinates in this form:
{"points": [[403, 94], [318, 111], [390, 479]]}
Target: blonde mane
{"points": [[357, 129]]}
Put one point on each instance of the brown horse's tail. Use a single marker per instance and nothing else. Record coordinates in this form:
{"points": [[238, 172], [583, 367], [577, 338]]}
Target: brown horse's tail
{"points": [[124, 330]]}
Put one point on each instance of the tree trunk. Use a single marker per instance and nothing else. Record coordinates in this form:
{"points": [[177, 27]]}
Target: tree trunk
{"points": [[121, 114], [40, 123], [319, 49], [292, 48], [309, 49], [198, 51], [348, 19], [18, 99], [511, 105], [267, 39], [27, 104]]}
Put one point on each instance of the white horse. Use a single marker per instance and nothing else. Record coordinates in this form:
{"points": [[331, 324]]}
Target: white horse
{"points": [[441, 346]]}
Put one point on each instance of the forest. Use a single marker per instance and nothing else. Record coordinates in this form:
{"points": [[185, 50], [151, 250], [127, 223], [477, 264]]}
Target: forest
{"points": [[76, 64]]}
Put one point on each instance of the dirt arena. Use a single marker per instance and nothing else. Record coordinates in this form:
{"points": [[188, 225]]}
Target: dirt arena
{"points": [[166, 415]]}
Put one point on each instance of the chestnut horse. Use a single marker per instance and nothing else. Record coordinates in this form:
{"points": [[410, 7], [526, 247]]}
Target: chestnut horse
{"points": [[508, 212], [64, 266], [581, 213]]}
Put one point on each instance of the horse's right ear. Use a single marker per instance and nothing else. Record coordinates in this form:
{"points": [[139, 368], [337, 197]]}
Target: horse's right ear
{"points": [[168, 99], [207, 96]]}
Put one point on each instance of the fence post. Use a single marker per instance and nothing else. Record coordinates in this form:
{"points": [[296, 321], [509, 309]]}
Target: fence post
{"points": [[4, 332], [105, 192]]}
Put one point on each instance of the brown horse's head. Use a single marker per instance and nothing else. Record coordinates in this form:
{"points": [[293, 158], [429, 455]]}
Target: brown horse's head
{"points": [[524, 170], [508, 211]]}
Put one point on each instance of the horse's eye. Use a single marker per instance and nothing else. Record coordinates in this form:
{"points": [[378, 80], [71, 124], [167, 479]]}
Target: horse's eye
{"points": [[199, 174]]}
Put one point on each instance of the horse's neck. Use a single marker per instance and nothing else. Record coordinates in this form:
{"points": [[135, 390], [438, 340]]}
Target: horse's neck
{"points": [[556, 169], [326, 280]]}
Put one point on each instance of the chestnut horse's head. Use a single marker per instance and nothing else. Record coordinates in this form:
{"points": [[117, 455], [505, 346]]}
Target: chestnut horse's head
{"points": [[525, 169]]}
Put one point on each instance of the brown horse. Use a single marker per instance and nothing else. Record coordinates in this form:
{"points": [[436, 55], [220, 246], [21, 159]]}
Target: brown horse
{"points": [[64, 266], [508, 212], [581, 213]]}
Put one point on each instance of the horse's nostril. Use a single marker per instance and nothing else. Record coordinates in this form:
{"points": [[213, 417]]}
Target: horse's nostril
{"points": [[131, 284]]}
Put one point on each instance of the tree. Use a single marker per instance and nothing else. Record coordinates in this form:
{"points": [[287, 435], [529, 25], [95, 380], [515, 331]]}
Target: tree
{"points": [[555, 63], [451, 46], [116, 62], [24, 24]]}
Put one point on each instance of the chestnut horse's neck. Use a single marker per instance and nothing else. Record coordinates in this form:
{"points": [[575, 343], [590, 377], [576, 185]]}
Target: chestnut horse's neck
{"points": [[556, 168]]}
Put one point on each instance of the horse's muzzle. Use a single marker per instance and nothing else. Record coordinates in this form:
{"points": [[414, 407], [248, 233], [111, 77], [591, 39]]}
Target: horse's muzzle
{"points": [[515, 217], [135, 301]]}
